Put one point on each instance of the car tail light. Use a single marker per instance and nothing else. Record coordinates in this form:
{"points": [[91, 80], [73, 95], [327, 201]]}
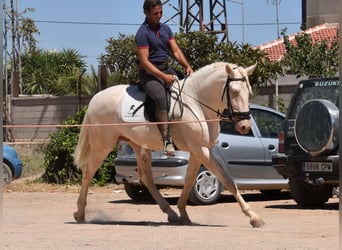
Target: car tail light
{"points": [[281, 148]]}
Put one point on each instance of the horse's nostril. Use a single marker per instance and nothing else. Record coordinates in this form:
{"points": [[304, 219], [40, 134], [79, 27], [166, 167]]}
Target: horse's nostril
{"points": [[244, 129]]}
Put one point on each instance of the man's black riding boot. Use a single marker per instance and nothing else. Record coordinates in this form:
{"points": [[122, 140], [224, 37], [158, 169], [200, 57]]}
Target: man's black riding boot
{"points": [[168, 147]]}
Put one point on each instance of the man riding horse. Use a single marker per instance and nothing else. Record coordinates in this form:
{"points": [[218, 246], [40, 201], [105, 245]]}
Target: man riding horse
{"points": [[154, 42]]}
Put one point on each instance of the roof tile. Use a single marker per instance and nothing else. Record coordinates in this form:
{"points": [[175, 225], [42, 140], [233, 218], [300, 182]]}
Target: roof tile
{"points": [[276, 49]]}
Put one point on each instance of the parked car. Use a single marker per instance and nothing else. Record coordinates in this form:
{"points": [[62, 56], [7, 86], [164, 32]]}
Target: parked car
{"points": [[246, 158], [308, 147], [12, 164]]}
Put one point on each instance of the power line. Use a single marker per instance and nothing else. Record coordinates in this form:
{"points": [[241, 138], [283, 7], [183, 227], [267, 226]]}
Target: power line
{"points": [[86, 23], [265, 24], [138, 24]]}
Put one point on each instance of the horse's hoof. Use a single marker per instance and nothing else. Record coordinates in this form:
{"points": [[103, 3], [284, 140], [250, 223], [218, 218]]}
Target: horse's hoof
{"points": [[173, 218], [184, 221], [257, 222], [78, 218]]}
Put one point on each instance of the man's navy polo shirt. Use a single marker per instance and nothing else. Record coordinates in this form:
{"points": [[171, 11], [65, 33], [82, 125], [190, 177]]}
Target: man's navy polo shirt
{"points": [[158, 41]]}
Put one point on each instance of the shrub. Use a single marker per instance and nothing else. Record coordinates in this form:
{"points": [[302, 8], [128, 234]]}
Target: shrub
{"points": [[58, 160]]}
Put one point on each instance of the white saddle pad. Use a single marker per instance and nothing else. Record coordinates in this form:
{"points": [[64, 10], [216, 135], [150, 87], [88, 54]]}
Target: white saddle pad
{"points": [[132, 100]]}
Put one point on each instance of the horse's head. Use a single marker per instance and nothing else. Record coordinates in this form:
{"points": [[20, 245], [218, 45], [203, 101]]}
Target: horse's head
{"points": [[238, 91]]}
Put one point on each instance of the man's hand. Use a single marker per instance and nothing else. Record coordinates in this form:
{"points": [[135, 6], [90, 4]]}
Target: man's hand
{"points": [[169, 79], [189, 70]]}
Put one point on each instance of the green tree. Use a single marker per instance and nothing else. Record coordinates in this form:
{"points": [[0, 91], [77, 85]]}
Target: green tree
{"points": [[27, 32], [121, 59], [199, 48], [58, 159], [51, 72], [89, 82], [311, 59]]}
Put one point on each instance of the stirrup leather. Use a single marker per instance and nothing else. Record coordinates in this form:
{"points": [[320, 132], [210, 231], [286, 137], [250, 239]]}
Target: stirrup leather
{"points": [[168, 146]]}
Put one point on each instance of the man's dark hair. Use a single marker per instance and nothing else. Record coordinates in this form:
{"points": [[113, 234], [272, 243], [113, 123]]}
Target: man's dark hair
{"points": [[149, 4]]}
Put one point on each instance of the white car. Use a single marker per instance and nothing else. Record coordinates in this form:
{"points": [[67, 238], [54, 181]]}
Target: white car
{"points": [[246, 158]]}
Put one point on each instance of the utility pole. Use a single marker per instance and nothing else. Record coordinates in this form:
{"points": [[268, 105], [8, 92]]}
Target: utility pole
{"points": [[276, 3], [178, 8], [193, 17], [15, 54]]}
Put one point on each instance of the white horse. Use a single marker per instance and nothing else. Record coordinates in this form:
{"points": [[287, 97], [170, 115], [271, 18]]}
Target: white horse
{"points": [[203, 95]]}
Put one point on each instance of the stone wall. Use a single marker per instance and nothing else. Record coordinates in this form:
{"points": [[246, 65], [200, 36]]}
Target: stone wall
{"points": [[36, 117], [266, 96]]}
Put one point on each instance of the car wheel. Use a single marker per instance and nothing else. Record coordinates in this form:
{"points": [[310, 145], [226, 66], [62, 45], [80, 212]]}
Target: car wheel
{"points": [[309, 196], [138, 193], [206, 190], [7, 174]]}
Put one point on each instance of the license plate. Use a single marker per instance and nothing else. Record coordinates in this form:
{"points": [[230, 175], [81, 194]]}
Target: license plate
{"points": [[317, 166]]}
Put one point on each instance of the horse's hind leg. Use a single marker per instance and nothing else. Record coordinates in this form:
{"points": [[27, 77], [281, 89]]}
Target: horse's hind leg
{"points": [[88, 172], [193, 167], [144, 160]]}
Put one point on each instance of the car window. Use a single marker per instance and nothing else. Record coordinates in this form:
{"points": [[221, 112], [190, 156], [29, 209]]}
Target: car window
{"points": [[269, 124]]}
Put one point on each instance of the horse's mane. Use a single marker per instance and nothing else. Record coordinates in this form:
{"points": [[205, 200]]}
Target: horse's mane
{"points": [[205, 68], [202, 72]]}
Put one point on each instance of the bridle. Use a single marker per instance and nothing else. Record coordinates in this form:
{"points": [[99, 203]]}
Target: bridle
{"points": [[231, 114]]}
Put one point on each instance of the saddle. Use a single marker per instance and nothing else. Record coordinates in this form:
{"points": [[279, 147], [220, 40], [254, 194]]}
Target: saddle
{"points": [[138, 106]]}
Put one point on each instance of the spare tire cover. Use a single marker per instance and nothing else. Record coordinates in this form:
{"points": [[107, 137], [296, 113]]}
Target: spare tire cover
{"points": [[316, 127]]}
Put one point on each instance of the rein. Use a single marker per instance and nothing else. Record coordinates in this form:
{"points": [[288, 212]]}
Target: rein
{"points": [[231, 115], [180, 92]]}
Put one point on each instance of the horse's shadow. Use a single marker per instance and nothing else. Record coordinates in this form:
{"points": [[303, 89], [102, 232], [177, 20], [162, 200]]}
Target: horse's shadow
{"points": [[104, 219], [140, 223]]}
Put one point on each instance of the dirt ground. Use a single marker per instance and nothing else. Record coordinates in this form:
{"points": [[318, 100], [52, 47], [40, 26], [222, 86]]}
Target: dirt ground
{"points": [[41, 217]]}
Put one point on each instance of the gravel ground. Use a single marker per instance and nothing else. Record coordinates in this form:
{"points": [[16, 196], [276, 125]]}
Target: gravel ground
{"points": [[41, 217]]}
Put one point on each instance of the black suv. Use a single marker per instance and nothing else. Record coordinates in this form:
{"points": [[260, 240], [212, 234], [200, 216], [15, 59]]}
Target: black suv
{"points": [[308, 146]]}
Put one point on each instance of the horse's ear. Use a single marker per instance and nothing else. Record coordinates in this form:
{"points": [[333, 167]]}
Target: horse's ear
{"points": [[251, 69], [229, 70]]}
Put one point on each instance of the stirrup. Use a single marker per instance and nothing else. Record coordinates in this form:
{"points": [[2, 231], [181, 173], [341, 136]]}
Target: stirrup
{"points": [[169, 149]]}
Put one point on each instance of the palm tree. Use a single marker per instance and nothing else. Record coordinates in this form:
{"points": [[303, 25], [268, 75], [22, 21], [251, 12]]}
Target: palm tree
{"points": [[51, 72]]}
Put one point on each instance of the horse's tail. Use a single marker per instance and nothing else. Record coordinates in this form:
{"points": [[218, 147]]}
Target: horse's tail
{"points": [[83, 147]]}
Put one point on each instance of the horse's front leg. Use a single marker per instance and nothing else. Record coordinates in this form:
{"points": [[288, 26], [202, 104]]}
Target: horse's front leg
{"points": [[255, 219], [193, 167], [214, 166], [144, 160]]}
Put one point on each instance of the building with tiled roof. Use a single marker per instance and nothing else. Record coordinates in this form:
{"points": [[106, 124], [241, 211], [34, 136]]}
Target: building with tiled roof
{"points": [[285, 86], [276, 49]]}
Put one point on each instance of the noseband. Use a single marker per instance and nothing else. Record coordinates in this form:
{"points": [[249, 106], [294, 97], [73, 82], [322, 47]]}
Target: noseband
{"points": [[231, 114]]}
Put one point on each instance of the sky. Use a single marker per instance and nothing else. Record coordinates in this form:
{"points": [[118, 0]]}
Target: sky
{"points": [[85, 25]]}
